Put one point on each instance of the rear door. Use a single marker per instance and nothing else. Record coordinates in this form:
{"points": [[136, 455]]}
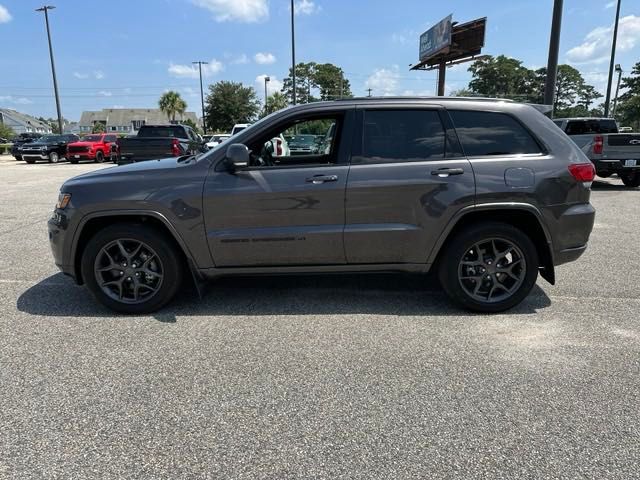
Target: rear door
{"points": [[408, 177]]}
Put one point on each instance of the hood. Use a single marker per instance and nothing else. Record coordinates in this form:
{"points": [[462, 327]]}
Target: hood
{"points": [[82, 144], [133, 172], [43, 144]]}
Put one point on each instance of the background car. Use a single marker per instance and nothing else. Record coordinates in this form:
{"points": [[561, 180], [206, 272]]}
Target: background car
{"points": [[95, 147], [21, 140], [303, 145], [52, 148], [215, 140]]}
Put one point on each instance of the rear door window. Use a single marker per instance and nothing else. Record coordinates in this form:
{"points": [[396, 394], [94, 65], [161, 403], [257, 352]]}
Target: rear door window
{"points": [[402, 135], [492, 133], [591, 127]]}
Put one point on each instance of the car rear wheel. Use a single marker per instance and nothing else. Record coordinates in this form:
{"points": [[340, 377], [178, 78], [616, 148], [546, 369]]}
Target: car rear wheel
{"points": [[631, 180], [53, 157], [132, 268], [99, 157], [489, 267]]}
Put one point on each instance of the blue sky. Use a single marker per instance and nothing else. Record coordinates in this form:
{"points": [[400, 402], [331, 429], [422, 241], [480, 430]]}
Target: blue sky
{"points": [[127, 52]]}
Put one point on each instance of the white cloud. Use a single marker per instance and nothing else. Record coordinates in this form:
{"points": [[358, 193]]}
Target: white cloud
{"points": [[273, 85], [80, 75], [192, 71], [611, 4], [383, 82], [596, 47], [240, 60], [306, 7], [264, 58], [98, 74], [117, 106], [15, 100], [248, 11], [5, 16], [105, 93], [190, 92]]}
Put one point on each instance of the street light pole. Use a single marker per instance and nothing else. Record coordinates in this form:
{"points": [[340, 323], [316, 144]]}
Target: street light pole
{"points": [[293, 52], [266, 80], [204, 120], [554, 47], [613, 60], [615, 99], [46, 9]]}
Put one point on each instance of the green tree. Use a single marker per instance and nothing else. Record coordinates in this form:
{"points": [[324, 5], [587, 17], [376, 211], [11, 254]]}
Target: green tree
{"points": [[501, 76], [587, 95], [276, 101], [325, 79], [628, 109], [229, 103], [6, 132], [99, 127], [190, 123], [171, 103]]}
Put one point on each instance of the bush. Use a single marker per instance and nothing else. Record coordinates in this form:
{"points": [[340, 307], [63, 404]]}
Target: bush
{"points": [[5, 148]]}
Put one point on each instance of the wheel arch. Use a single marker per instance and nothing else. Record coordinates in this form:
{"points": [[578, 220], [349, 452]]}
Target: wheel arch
{"points": [[525, 217], [93, 223]]}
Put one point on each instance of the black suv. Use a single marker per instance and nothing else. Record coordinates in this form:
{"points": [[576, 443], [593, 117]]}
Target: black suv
{"points": [[20, 140], [488, 193], [52, 148]]}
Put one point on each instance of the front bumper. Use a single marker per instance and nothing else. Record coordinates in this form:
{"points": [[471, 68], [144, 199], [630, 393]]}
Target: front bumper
{"points": [[58, 226], [35, 156], [82, 156]]}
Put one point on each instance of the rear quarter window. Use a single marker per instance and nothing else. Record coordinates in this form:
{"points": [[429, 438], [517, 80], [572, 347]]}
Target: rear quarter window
{"points": [[492, 133]]}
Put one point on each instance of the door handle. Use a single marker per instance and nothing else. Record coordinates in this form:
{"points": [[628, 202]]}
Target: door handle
{"points": [[318, 179], [446, 172]]}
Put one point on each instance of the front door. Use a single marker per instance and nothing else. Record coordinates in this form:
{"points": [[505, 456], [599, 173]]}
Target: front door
{"points": [[287, 207], [405, 184]]}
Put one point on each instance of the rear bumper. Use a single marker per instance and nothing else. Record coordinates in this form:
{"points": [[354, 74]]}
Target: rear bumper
{"points": [[572, 233], [614, 166]]}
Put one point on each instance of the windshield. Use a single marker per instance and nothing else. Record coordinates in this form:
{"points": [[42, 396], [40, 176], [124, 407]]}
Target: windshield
{"points": [[92, 138], [162, 131], [50, 138], [303, 139]]}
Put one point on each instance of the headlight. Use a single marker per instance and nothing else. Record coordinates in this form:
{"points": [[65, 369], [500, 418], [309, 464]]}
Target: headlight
{"points": [[43, 148], [63, 200]]}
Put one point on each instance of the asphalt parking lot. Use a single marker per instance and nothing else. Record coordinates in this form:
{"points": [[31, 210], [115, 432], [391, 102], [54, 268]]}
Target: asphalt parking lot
{"points": [[354, 377]]}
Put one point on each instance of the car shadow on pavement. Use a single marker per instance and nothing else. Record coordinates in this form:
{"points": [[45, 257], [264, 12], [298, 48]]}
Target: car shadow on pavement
{"points": [[377, 294]]}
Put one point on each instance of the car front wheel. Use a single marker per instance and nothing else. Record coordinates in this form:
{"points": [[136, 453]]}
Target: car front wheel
{"points": [[99, 157], [489, 267], [132, 268], [53, 157]]}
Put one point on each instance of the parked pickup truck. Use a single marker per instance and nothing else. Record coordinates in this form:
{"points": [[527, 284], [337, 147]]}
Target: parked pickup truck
{"points": [[610, 151], [94, 147], [157, 141]]}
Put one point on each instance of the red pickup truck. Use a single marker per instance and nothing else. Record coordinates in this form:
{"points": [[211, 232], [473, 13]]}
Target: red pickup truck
{"points": [[94, 147]]}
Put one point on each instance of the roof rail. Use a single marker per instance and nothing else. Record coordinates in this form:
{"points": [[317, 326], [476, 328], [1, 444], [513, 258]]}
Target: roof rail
{"points": [[440, 99]]}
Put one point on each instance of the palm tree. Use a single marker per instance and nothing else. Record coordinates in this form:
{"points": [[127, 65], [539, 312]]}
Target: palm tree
{"points": [[171, 103]]}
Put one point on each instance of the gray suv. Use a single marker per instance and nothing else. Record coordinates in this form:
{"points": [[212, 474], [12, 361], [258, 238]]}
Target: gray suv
{"points": [[487, 193]]}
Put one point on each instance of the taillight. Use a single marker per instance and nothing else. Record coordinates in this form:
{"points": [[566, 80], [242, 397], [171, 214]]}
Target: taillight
{"points": [[278, 147], [583, 172], [598, 143], [175, 148]]}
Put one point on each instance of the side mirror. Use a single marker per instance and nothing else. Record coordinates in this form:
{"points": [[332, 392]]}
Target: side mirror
{"points": [[237, 156]]}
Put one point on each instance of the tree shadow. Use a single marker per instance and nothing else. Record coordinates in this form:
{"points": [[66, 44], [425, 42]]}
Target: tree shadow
{"points": [[299, 295]]}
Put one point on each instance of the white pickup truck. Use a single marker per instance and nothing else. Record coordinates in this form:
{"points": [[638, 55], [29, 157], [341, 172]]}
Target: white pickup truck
{"points": [[610, 151]]}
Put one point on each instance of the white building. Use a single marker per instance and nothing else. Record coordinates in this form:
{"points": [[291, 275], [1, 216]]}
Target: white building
{"points": [[128, 120]]}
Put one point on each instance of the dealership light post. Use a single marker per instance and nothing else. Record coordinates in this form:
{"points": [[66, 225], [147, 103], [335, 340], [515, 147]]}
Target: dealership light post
{"points": [[613, 60], [204, 121], [554, 47], [266, 80], [615, 99], [46, 9], [293, 52]]}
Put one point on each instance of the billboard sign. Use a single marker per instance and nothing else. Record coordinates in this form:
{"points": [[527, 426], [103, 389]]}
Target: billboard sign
{"points": [[436, 39]]}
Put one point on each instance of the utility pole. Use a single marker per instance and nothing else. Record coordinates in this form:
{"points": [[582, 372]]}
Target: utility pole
{"points": [[46, 9], [613, 60], [554, 47], [615, 99], [293, 51], [266, 80], [204, 120], [369, 90]]}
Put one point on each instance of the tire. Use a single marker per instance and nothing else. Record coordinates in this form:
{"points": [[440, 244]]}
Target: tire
{"points": [[461, 267], [99, 157], [631, 180], [158, 256], [53, 157]]}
